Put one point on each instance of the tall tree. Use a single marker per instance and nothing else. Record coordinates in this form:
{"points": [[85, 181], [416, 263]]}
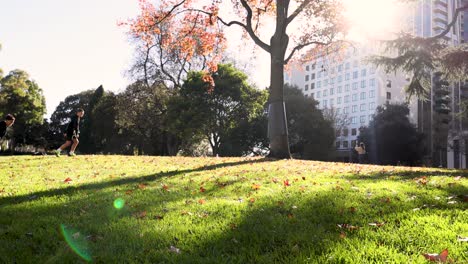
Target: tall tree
{"points": [[190, 27], [391, 138], [225, 116], [22, 97]]}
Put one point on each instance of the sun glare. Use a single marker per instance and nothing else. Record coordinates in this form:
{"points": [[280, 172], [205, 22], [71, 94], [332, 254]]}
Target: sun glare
{"points": [[372, 19]]}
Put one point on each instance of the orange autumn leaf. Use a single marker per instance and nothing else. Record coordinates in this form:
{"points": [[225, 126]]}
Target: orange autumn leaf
{"points": [[128, 192], [442, 257], [67, 180], [255, 186], [165, 187], [201, 201], [142, 186], [252, 200], [140, 214], [202, 189]]}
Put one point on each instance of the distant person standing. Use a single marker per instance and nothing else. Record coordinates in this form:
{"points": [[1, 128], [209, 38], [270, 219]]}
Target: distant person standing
{"points": [[72, 134], [8, 122], [361, 150]]}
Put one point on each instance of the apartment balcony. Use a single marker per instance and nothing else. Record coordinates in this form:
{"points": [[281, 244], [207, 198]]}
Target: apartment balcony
{"points": [[440, 17], [441, 3], [439, 26]]}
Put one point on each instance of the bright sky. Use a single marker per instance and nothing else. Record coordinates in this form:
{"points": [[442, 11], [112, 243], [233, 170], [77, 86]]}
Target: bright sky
{"points": [[68, 46]]}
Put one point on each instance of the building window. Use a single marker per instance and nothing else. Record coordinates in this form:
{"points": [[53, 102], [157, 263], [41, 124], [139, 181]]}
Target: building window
{"points": [[363, 107], [347, 65], [372, 82], [346, 110], [355, 97], [312, 86], [338, 100], [313, 66], [347, 76], [319, 74], [306, 96], [340, 78], [353, 143], [346, 98], [389, 95], [345, 144], [339, 89], [338, 110], [363, 119], [354, 120], [353, 132], [340, 68], [355, 75], [363, 95], [355, 63], [389, 84], [312, 76], [354, 109], [307, 78], [318, 94], [312, 95], [363, 73], [372, 106], [319, 84], [355, 86], [371, 94], [306, 88], [325, 93], [325, 83], [307, 68], [332, 91], [324, 103], [331, 102], [332, 80], [363, 84], [338, 144], [345, 132], [346, 88]]}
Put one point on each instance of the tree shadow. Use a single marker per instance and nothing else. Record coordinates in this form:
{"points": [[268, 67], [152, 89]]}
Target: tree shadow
{"points": [[118, 182], [295, 227]]}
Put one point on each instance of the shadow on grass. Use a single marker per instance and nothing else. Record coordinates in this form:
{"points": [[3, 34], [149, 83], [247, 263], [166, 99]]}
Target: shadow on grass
{"points": [[295, 227], [128, 180]]}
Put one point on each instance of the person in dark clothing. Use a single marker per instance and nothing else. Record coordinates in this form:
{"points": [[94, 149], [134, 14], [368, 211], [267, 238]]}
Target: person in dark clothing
{"points": [[72, 134], [8, 122]]}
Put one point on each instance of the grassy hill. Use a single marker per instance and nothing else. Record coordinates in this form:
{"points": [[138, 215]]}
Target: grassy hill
{"points": [[120, 209]]}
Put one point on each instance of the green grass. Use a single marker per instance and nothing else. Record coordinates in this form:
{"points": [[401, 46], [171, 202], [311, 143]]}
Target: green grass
{"points": [[226, 210]]}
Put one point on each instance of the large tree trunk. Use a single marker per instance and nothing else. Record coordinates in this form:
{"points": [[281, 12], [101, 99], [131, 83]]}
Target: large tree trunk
{"points": [[277, 126]]}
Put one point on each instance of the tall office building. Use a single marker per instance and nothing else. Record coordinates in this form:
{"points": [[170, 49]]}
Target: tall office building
{"points": [[352, 88], [444, 131]]}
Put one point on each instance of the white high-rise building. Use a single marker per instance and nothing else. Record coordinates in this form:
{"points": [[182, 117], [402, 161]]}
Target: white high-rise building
{"points": [[352, 88]]}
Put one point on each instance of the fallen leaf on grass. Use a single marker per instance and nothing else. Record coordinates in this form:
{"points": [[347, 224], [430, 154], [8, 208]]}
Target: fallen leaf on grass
{"points": [[252, 200], [128, 192], [377, 224], [158, 217], [165, 187], [286, 183], [352, 209], [462, 239], [174, 250], [202, 189], [67, 180], [442, 257], [140, 215], [342, 235], [201, 201], [142, 186], [255, 186], [348, 226]]}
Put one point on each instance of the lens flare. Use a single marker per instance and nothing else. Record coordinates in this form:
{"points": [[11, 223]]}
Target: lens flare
{"points": [[76, 241], [119, 203]]}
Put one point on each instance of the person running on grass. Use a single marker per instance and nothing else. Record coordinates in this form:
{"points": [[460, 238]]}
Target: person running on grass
{"points": [[72, 134]]}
